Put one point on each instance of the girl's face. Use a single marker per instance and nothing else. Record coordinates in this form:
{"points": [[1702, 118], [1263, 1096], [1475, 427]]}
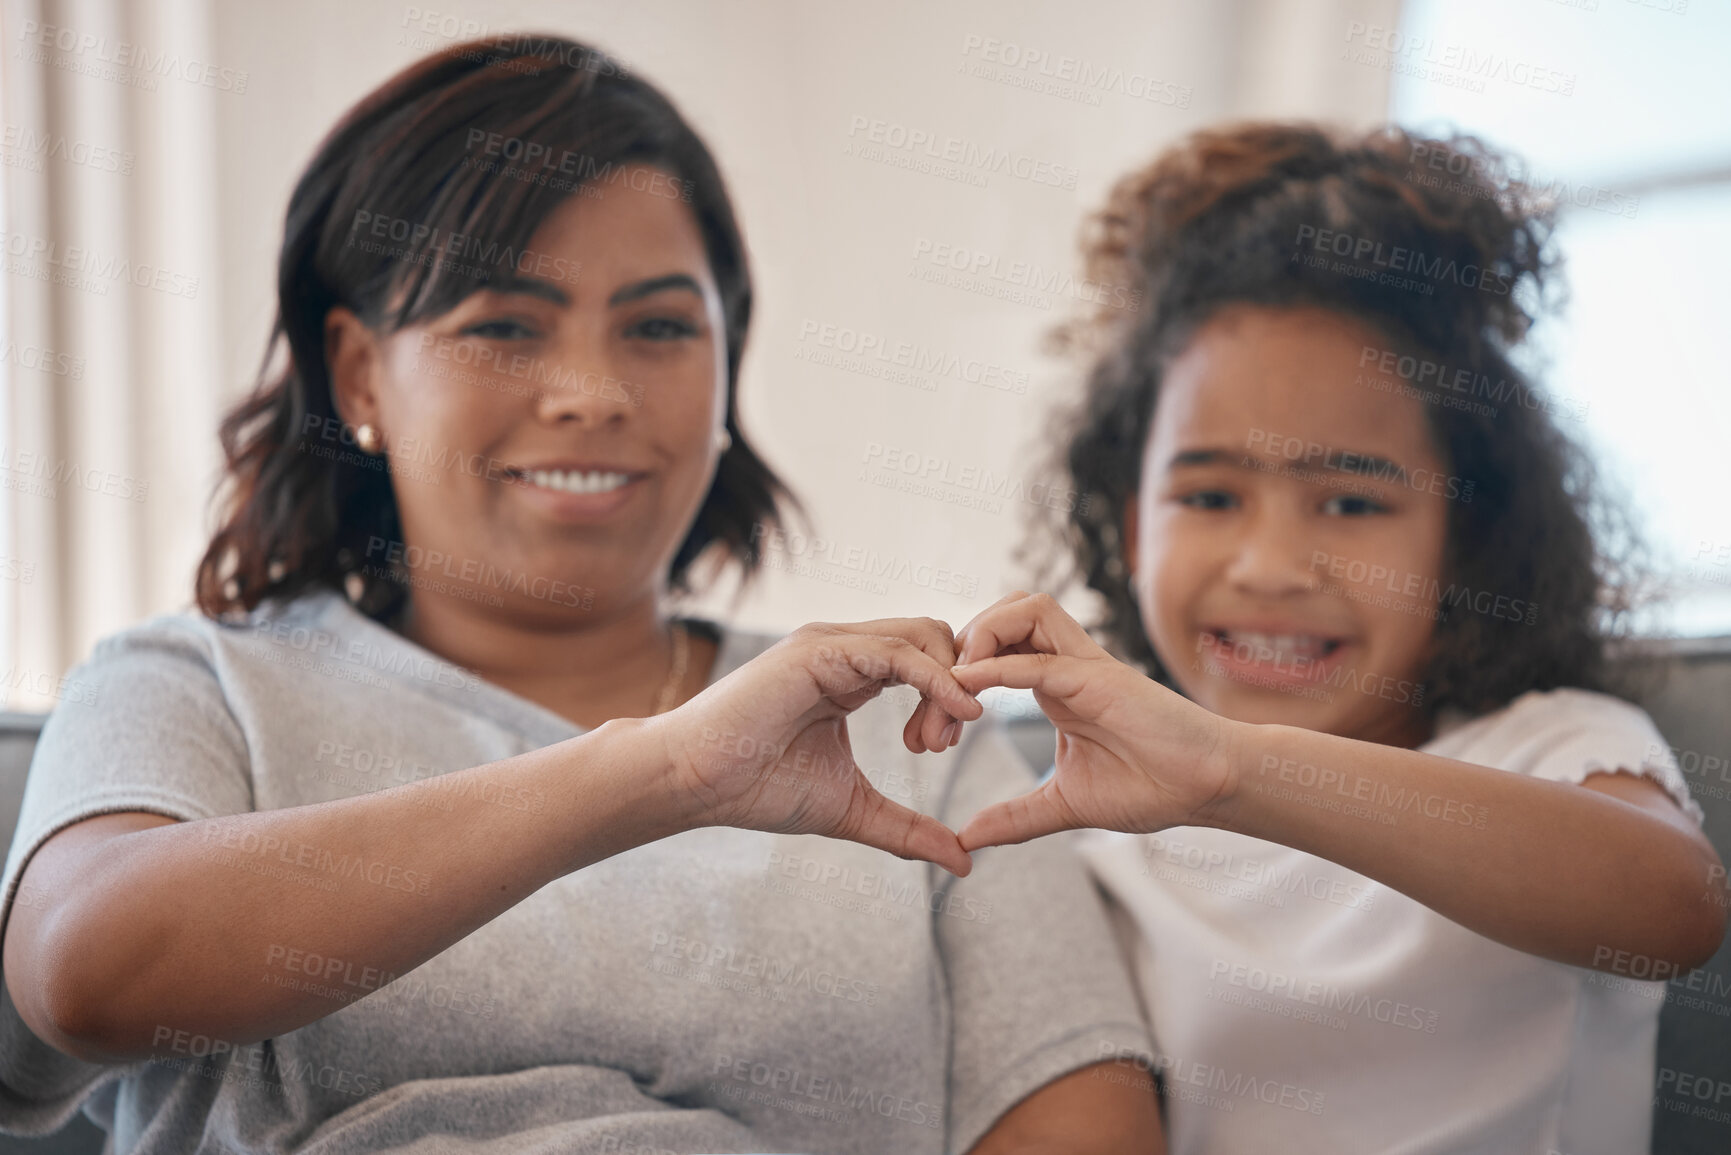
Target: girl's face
{"points": [[1287, 537], [553, 436]]}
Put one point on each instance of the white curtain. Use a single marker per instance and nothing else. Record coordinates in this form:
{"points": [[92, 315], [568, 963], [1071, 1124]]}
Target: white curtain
{"points": [[110, 375]]}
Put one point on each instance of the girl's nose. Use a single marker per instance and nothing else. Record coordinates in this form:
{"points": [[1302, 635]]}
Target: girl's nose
{"points": [[1272, 557]]}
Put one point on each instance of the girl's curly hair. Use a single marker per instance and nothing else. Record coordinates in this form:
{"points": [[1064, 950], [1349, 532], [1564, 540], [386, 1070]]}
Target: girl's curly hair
{"points": [[1226, 218]]}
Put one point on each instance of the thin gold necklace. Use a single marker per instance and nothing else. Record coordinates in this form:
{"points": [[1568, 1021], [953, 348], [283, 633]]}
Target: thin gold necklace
{"points": [[676, 673]]}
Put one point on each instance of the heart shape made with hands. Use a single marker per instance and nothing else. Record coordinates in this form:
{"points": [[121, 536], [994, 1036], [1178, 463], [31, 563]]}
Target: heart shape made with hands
{"points": [[1132, 755]]}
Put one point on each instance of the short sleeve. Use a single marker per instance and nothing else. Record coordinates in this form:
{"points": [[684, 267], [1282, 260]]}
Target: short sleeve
{"points": [[142, 725], [1038, 986], [1583, 733]]}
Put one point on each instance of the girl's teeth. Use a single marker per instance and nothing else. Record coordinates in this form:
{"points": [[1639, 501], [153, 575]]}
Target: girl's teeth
{"points": [[569, 481], [1297, 645]]}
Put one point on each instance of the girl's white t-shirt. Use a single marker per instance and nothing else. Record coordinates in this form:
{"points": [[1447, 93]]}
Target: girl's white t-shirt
{"points": [[1299, 1007]]}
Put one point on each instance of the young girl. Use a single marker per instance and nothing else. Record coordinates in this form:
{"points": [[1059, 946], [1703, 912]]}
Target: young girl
{"points": [[1388, 842]]}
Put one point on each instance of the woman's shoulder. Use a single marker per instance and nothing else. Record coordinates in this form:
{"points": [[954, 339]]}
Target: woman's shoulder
{"points": [[190, 631]]}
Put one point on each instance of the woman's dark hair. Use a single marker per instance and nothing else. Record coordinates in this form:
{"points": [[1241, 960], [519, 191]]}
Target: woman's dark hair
{"points": [[424, 192], [1240, 216]]}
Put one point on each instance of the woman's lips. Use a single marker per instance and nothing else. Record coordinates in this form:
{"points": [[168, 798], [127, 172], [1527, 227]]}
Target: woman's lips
{"points": [[1266, 657]]}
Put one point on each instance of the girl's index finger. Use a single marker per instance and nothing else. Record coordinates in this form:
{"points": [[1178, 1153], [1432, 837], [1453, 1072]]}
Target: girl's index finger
{"points": [[1034, 621]]}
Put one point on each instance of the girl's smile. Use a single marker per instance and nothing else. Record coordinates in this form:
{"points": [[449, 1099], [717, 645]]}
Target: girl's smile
{"points": [[1225, 530]]}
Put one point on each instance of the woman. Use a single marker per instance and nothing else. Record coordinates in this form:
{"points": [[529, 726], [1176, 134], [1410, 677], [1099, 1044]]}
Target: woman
{"points": [[432, 832]]}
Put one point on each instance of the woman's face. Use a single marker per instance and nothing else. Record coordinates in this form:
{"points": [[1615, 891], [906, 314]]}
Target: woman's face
{"points": [[1287, 538], [552, 437]]}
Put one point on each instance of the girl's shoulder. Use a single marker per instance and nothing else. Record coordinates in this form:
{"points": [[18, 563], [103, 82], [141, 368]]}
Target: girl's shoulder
{"points": [[1565, 735]]}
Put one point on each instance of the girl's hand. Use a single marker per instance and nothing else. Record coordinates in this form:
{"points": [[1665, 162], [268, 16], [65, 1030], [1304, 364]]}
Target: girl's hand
{"points": [[1132, 755], [766, 748]]}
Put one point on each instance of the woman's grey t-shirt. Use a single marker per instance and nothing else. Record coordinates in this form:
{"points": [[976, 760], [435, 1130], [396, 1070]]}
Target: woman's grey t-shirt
{"points": [[719, 990]]}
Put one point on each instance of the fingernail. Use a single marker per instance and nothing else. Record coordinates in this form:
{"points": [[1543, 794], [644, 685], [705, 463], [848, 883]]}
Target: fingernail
{"points": [[951, 733]]}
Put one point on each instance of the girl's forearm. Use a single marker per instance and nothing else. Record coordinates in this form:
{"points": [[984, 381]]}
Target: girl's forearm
{"points": [[1545, 867]]}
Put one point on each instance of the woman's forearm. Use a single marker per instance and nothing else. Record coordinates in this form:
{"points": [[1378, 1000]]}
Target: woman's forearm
{"points": [[1545, 867], [173, 928]]}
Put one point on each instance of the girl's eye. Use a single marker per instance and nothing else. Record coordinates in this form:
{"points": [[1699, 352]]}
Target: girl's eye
{"points": [[1208, 499], [1352, 505], [662, 329], [500, 329]]}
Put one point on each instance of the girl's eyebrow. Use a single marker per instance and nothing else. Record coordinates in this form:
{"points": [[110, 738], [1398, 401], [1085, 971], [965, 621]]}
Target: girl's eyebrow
{"points": [[652, 285], [1336, 460]]}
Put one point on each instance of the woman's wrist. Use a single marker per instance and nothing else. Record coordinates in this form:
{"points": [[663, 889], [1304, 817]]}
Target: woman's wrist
{"points": [[621, 777]]}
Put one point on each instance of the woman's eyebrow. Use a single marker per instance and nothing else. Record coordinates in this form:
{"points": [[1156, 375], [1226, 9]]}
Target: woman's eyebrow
{"points": [[531, 286], [653, 285]]}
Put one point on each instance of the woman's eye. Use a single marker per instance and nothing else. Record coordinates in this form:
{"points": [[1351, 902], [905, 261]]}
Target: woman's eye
{"points": [[662, 329], [1352, 505], [499, 329], [1208, 499]]}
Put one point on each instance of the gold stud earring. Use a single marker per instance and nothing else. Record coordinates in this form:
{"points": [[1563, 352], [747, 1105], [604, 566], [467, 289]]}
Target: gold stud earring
{"points": [[367, 438]]}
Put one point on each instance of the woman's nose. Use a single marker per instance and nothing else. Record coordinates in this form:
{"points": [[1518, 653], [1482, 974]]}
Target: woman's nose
{"points": [[582, 390]]}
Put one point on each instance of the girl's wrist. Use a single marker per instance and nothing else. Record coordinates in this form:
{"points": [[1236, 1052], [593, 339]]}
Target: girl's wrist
{"points": [[1223, 763]]}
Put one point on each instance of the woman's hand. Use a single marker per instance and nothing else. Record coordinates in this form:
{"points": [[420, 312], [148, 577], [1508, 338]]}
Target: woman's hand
{"points": [[1132, 755], [766, 748]]}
